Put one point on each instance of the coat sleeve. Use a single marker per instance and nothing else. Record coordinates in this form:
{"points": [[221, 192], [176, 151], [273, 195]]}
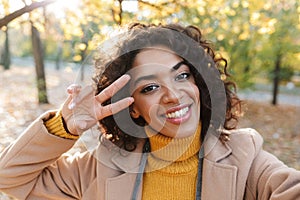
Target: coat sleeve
{"points": [[271, 179], [35, 166]]}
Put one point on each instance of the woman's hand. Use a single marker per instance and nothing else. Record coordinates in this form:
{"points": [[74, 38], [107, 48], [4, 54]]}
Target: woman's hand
{"points": [[83, 109]]}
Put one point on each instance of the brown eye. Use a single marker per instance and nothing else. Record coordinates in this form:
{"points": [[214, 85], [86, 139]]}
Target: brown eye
{"points": [[149, 88], [182, 76]]}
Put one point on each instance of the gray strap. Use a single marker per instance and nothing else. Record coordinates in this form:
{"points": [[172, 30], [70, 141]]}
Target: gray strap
{"points": [[138, 180], [199, 179], [146, 150]]}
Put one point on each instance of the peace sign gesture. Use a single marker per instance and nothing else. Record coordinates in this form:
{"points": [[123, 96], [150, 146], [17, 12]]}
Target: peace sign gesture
{"points": [[83, 109]]}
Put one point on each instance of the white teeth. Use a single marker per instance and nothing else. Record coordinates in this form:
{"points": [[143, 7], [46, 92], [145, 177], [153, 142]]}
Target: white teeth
{"points": [[178, 113]]}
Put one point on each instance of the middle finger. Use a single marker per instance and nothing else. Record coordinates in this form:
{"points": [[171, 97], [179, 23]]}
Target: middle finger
{"points": [[108, 92]]}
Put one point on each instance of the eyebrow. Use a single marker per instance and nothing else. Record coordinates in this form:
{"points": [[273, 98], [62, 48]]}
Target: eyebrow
{"points": [[149, 77], [175, 67]]}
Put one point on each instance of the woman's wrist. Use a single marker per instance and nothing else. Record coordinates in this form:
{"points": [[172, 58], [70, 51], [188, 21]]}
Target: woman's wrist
{"points": [[56, 126]]}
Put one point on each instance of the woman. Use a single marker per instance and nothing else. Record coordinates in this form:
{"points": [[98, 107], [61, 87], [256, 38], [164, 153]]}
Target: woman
{"points": [[168, 119]]}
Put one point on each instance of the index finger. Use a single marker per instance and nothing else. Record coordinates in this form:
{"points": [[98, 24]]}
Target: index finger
{"points": [[108, 92]]}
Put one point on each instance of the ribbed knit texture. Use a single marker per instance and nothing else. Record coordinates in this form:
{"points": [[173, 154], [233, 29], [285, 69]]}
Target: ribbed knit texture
{"points": [[171, 171], [56, 127]]}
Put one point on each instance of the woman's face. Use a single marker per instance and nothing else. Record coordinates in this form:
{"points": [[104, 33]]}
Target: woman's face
{"points": [[165, 93]]}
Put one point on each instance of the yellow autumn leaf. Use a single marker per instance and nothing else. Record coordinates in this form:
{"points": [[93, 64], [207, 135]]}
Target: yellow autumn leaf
{"points": [[235, 4], [156, 21], [255, 16], [231, 42], [267, 6], [264, 30], [244, 35], [220, 37], [209, 30], [4, 28], [206, 21], [201, 11], [245, 4], [230, 12], [77, 31], [196, 20], [297, 55], [223, 77], [225, 26], [272, 22], [175, 20], [77, 58], [236, 29], [81, 46]]}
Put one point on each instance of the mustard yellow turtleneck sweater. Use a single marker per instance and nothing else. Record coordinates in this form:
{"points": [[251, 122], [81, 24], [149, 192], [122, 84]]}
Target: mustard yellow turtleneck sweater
{"points": [[171, 170]]}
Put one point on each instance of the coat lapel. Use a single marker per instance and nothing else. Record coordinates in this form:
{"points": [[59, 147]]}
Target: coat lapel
{"points": [[120, 187], [218, 179], [121, 168]]}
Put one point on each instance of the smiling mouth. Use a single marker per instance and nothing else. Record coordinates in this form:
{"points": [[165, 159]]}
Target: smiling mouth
{"points": [[178, 114]]}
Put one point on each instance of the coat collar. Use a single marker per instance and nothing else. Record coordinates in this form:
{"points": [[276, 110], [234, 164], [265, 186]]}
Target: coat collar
{"points": [[119, 159], [214, 149], [217, 176], [126, 161]]}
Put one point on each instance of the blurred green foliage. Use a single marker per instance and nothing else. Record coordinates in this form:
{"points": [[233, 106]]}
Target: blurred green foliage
{"points": [[251, 34]]}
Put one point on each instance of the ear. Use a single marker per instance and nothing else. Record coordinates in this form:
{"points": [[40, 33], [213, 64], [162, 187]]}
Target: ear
{"points": [[134, 113]]}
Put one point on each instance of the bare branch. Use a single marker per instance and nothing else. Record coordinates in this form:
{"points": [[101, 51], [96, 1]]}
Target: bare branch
{"points": [[150, 4], [8, 18], [158, 7]]}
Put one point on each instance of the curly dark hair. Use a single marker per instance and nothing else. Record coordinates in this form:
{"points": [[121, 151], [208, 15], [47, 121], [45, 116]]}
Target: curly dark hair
{"points": [[208, 68]]}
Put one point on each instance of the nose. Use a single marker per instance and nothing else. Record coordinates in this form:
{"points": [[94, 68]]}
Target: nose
{"points": [[171, 95]]}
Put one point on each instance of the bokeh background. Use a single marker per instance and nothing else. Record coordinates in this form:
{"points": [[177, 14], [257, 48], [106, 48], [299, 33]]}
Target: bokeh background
{"points": [[46, 45]]}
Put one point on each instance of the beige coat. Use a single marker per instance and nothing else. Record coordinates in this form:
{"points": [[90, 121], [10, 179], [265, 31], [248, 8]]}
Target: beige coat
{"points": [[34, 168]]}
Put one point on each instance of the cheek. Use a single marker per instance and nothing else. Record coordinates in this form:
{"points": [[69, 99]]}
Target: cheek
{"points": [[142, 105], [195, 93], [147, 107]]}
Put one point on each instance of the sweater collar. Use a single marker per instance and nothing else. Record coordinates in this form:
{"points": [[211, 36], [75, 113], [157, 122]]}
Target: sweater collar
{"points": [[119, 159], [174, 149]]}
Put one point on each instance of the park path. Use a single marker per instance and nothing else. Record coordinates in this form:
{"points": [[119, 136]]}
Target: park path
{"points": [[284, 98], [288, 95]]}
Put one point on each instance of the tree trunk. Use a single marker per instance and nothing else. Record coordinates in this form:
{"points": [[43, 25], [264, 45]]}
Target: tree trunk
{"points": [[120, 12], [6, 53], [83, 57], [39, 65], [58, 58], [276, 80]]}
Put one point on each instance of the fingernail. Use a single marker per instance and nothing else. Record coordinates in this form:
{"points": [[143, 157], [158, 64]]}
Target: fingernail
{"points": [[70, 89], [126, 76], [82, 125], [72, 105], [130, 100]]}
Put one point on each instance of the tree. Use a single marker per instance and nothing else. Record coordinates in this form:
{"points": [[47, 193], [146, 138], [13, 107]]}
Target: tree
{"points": [[38, 49], [280, 42], [82, 31], [244, 32], [5, 56], [26, 9], [6, 53], [257, 37]]}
